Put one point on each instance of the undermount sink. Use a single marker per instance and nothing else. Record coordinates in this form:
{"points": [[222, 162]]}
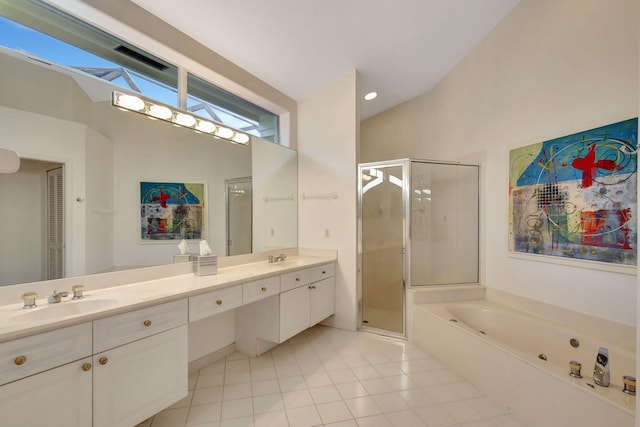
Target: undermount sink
{"points": [[61, 310]]}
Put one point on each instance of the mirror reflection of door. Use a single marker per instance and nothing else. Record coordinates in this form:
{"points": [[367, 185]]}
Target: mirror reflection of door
{"points": [[239, 218], [32, 223]]}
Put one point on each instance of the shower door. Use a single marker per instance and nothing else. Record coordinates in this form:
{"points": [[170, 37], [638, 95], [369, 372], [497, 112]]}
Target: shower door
{"points": [[382, 238]]}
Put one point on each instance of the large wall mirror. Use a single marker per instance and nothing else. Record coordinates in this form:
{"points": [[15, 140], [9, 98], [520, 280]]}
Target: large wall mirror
{"points": [[78, 189]]}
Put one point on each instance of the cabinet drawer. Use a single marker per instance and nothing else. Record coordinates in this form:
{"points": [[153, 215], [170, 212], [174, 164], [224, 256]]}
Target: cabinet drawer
{"points": [[134, 325], [30, 355], [294, 279], [322, 272], [205, 305], [254, 291]]}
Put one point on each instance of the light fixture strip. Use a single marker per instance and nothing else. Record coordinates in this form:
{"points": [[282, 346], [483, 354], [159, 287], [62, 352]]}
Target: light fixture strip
{"points": [[177, 117]]}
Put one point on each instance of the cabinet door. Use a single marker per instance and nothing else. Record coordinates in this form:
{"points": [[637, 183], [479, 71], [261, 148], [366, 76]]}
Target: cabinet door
{"points": [[322, 300], [137, 380], [294, 312], [60, 397]]}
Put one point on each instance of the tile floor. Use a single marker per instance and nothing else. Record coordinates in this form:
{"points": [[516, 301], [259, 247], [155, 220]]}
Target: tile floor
{"points": [[330, 377]]}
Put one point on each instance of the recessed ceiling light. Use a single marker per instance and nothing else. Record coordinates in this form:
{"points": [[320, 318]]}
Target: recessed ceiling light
{"points": [[370, 96]]}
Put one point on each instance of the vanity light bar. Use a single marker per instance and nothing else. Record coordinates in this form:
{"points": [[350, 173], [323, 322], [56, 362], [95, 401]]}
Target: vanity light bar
{"points": [[159, 111]]}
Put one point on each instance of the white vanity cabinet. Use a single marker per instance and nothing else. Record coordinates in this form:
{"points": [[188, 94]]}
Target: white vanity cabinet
{"points": [[46, 379], [312, 301], [306, 297], [140, 364]]}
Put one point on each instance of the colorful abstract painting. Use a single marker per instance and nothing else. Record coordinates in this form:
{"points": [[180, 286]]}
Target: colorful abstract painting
{"points": [[171, 211], [575, 196]]}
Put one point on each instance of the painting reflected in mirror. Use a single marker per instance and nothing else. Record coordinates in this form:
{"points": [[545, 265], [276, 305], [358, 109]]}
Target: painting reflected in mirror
{"points": [[62, 120]]}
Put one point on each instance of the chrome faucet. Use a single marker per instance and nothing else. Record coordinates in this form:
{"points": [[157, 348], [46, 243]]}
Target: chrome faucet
{"points": [[278, 258], [601, 375], [56, 297]]}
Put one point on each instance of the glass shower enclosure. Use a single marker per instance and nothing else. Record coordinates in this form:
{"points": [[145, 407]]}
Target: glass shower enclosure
{"points": [[418, 226]]}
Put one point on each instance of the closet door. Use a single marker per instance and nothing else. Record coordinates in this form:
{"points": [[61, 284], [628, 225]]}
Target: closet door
{"points": [[55, 224]]}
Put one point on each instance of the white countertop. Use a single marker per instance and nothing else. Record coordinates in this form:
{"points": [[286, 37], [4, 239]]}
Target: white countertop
{"points": [[126, 297]]}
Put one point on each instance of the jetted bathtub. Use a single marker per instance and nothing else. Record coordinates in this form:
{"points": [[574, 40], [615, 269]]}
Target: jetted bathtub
{"points": [[522, 361]]}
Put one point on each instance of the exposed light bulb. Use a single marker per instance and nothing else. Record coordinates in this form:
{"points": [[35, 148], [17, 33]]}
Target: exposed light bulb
{"points": [[223, 132], [241, 138], [205, 126], [160, 112], [129, 102], [185, 120]]}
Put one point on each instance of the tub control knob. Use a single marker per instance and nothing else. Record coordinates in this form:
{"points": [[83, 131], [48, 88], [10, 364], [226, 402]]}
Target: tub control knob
{"points": [[575, 369], [629, 385]]}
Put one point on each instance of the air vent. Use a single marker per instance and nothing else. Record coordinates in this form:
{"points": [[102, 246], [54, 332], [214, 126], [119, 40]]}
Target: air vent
{"points": [[140, 57]]}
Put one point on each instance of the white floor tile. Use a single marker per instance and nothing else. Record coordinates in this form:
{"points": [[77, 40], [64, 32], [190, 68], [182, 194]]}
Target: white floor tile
{"points": [[268, 403], [406, 418], [202, 414], [325, 394], [297, 399], [236, 391], [238, 422], [317, 379], [292, 383], [365, 372], [209, 380], [271, 419], [376, 386], [171, 417], [303, 417], [260, 388], [462, 412], [203, 396], [237, 408], [291, 370], [435, 416], [333, 412], [237, 376], [261, 374], [336, 378], [351, 390], [374, 421], [363, 407], [390, 402], [342, 376]]}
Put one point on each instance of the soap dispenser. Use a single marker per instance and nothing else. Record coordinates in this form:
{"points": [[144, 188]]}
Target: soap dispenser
{"points": [[601, 375]]}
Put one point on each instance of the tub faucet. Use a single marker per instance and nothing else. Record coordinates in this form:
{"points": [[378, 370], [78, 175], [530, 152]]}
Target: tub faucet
{"points": [[601, 375], [56, 297], [280, 257]]}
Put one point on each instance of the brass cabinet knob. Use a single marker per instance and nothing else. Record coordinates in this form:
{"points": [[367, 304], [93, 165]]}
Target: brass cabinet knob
{"points": [[20, 360], [312, 286], [86, 367], [103, 360], [264, 289], [324, 272], [219, 302], [147, 323], [297, 279]]}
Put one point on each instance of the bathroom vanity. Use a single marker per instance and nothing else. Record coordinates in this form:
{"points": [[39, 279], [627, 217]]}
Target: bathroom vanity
{"points": [[120, 354]]}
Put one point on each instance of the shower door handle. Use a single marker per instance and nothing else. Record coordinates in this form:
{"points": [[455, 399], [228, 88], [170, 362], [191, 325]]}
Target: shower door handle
{"points": [[403, 251]]}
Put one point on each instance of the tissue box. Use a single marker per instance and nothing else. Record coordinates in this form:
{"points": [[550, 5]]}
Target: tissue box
{"points": [[205, 265], [182, 258]]}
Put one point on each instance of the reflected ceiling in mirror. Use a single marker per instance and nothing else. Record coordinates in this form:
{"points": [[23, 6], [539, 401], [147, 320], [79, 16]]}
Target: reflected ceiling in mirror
{"points": [[53, 114]]}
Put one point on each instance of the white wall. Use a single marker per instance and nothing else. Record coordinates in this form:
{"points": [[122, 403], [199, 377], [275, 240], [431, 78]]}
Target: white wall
{"points": [[549, 69], [22, 246], [327, 159], [45, 138], [275, 171]]}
